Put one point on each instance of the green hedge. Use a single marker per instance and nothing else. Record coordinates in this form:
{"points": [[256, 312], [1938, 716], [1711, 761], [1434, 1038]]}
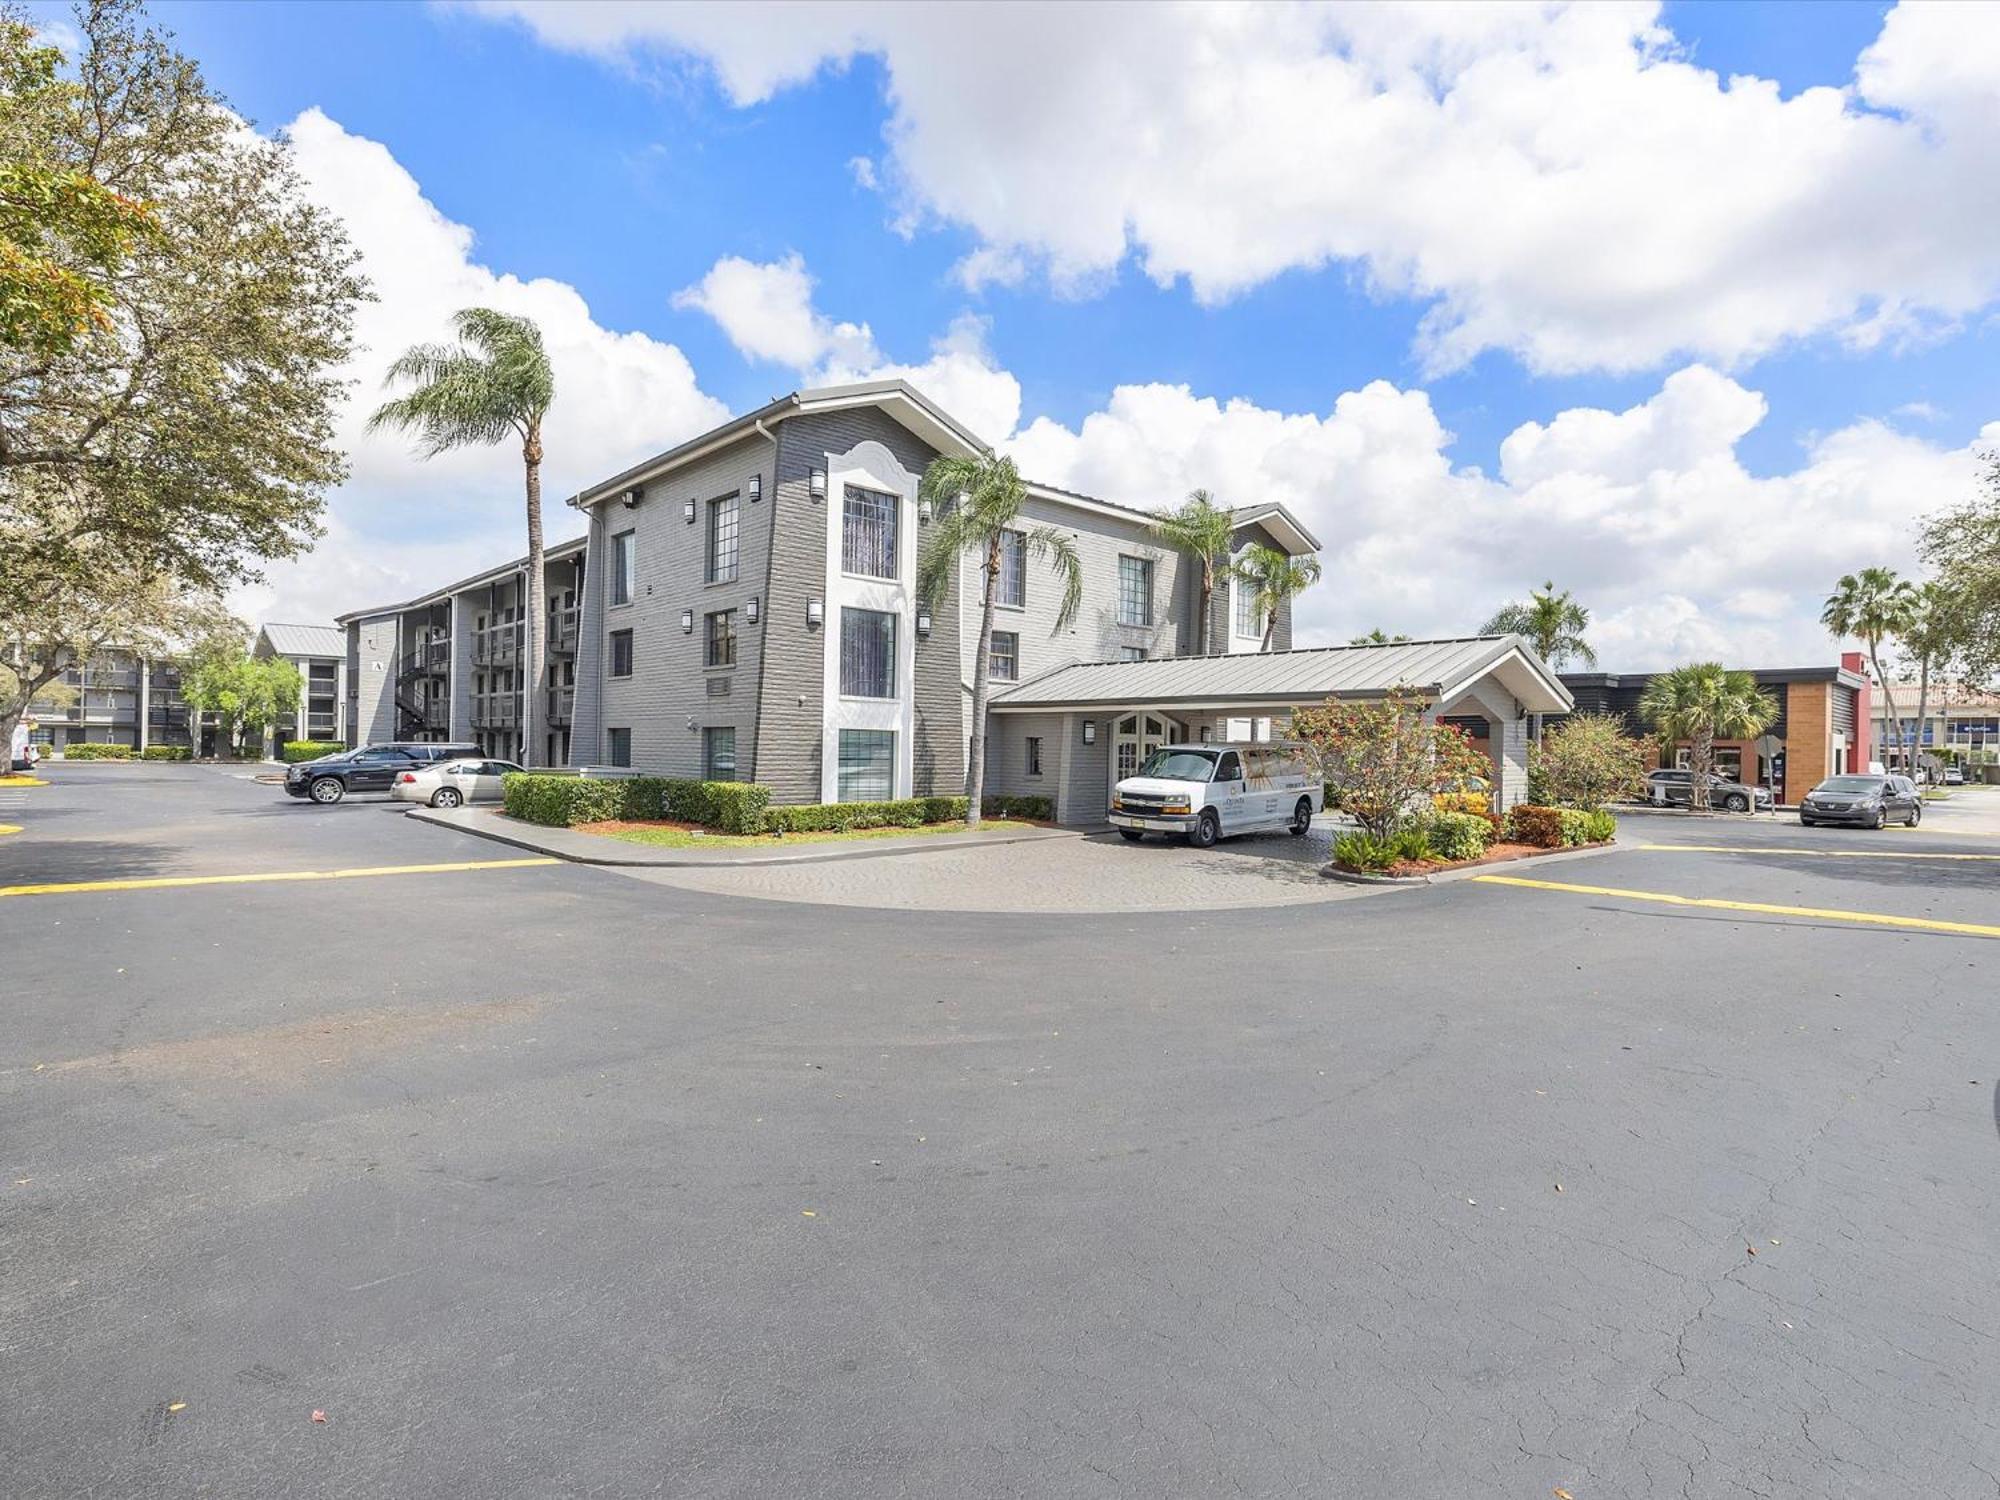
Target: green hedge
{"points": [[88, 751], [1458, 835], [166, 752], [1554, 827], [1038, 809], [565, 801], [295, 751], [560, 801]]}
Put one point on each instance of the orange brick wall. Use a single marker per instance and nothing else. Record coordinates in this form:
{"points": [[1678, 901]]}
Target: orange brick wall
{"points": [[1808, 737]]}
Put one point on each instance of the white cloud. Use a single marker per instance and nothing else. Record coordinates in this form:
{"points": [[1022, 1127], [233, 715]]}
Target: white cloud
{"points": [[862, 170], [1552, 180], [1922, 411], [619, 397]]}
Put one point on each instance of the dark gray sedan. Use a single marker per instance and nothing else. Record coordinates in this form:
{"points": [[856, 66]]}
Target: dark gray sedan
{"points": [[1865, 801]]}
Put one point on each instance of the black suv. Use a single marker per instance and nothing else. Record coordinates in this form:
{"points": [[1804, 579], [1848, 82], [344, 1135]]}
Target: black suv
{"points": [[372, 768]]}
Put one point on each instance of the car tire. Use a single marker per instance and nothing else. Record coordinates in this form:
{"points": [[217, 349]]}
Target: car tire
{"points": [[1808, 823], [1879, 819], [446, 796], [328, 790], [1736, 803], [1205, 832], [1130, 835], [1302, 818], [1916, 815]]}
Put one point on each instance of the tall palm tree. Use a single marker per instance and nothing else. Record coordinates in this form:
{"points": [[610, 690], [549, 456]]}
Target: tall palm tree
{"points": [[1873, 604], [1204, 528], [1702, 703], [1553, 623], [496, 382], [1275, 578], [977, 501]]}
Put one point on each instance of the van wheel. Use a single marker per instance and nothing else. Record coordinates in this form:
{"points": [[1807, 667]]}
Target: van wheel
{"points": [[328, 790], [1205, 831], [1302, 817], [1130, 835]]}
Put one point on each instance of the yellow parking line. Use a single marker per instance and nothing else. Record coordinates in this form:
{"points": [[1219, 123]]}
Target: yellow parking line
{"points": [[1883, 919], [7, 828], [1815, 853], [22, 781], [161, 882]]}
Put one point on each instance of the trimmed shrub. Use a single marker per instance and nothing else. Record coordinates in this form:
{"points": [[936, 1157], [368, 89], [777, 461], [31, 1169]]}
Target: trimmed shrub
{"points": [[1037, 809], [1412, 843], [1599, 827], [563, 801], [1458, 835], [1363, 851], [295, 751], [1541, 827], [93, 751], [166, 752], [840, 817], [737, 806]]}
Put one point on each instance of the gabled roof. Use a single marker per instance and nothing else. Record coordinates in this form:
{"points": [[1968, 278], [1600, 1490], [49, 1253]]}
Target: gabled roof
{"points": [[1284, 679], [555, 552], [1281, 523], [304, 640]]}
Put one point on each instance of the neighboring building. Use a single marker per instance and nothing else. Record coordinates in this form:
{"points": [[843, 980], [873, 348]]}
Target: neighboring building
{"points": [[1960, 723], [449, 665], [110, 701], [749, 611], [1822, 716], [320, 654]]}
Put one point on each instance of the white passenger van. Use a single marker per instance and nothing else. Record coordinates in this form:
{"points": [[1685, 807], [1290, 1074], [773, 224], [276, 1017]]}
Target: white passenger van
{"points": [[1209, 792]]}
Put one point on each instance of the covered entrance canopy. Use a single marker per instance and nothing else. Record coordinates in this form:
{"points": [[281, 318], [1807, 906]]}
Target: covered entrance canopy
{"points": [[1096, 712]]}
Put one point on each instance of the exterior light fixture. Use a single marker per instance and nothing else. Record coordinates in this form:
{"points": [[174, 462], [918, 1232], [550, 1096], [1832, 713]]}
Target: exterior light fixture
{"points": [[687, 622], [750, 610], [687, 511], [1090, 731], [818, 484], [924, 510], [756, 488], [632, 497], [924, 623], [815, 612]]}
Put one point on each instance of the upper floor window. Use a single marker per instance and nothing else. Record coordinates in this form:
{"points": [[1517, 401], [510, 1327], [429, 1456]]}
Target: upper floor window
{"points": [[1135, 591], [1131, 653], [1004, 660], [621, 653], [722, 540], [868, 533], [1013, 568], [719, 639], [867, 653], [1249, 619], [624, 566]]}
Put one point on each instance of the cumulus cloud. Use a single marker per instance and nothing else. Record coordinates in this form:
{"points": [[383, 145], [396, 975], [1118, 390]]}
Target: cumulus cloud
{"points": [[619, 397], [1553, 180]]}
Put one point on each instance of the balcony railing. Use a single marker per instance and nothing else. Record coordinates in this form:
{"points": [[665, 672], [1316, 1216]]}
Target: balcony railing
{"points": [[562, 631], [430, 659], [435, 714], [562, 703], [496, 711], [497, 645], [121, 679]]}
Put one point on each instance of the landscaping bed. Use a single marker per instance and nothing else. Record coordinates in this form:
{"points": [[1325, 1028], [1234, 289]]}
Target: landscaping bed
{"points": [[1449, 839], [1496, 854], [666, 834]]}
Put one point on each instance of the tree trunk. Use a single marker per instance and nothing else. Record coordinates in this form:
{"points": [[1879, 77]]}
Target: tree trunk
{"points": [[1701, 755], [1923, 707], [1207, 603], [29, 688], [535, 639], [975, 753], [1889, 702], [1270, 627]]}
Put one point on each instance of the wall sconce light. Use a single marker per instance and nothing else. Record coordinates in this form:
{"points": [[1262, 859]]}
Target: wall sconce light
{"points": [[924, 510], [818, 484], [632, 497], [1090, 731], [924, 623], [815, 612], [687, 511], [756, 488], [687, 622]]}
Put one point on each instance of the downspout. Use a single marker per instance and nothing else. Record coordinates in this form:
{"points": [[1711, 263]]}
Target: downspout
{"points": [[766, 619]]}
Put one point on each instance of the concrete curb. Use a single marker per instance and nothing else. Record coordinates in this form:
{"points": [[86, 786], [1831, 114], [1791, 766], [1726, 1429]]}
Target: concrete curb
{"points": [[1467, 872], [586, 848]]}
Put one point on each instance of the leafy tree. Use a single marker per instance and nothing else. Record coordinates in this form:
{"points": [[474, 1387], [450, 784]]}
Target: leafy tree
{"points": [[1377, 637], [181, 424], [1701, 703], [1586, 761], [976, 500], [1386, 757], [1553, 623], [1934, 636], [1275, 578], [1962, 543], [247, 693], [1874, 604], [1205, 529], [494, 384]]}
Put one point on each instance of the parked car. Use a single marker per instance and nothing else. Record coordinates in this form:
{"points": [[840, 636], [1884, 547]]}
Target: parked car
{"points": [[372, 768], [1207, 792], [1672, 788], [1869, 801], [1954, 776], [451, 783]]}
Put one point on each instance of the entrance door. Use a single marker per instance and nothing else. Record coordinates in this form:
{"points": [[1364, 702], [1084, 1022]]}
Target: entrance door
{"points": [[1135, 737]]}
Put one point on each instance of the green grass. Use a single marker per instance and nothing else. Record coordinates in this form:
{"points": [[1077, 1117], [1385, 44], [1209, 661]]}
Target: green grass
{"points": [[686, 838]]}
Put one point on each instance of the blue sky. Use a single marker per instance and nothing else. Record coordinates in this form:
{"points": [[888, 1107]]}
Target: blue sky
{"points": [[1330, 284]]}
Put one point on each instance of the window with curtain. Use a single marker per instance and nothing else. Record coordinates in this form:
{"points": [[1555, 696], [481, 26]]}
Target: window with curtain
{"points": [[867, 765], [621, 653], [722, 540], [1249, 619], [867, 653], [1013, 568], [1004, 661], [1135, 591], [868, 533], [624, 566]]}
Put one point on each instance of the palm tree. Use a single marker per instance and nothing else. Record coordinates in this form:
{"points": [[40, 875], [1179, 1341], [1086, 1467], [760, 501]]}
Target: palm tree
{"points": [[1204, 528], [977, 501], [1377, 637], [1702, 703], [1553, 623], [1874, 604], [1932, 635], [495, 382], [1275, 578]]}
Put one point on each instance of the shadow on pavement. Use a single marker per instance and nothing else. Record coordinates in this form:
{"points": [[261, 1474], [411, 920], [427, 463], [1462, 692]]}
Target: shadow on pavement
{"points": [[74, 861]]}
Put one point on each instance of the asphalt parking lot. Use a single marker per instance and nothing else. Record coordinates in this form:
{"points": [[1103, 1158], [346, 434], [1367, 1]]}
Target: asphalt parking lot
{"points": [[1672, 1174]]}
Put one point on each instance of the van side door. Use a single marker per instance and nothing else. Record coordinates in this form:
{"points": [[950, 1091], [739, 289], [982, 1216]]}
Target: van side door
{"points": [[1227, 793]]}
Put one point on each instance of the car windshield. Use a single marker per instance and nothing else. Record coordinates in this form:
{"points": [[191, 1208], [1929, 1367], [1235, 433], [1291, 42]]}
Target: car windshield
{"points": [[1852, 784], [1179, 765]]}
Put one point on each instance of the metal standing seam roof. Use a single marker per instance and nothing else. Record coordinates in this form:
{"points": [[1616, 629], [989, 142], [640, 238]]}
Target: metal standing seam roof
{"points": [[306, 640], [1291, 677]]}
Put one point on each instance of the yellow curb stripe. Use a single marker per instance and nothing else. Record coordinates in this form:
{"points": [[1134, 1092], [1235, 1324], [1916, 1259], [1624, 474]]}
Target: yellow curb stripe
{"points": [[7, 828], [1922, 924], [1815, 853], [163, 882], [7, 781]]}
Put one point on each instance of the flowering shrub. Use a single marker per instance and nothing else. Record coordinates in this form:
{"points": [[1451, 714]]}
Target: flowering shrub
{"points": [[1385, 760], [1586, 761], [1458, 835]]}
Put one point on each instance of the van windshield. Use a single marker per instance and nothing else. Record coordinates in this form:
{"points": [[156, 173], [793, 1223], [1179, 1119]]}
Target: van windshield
{"points": [[1852, 784], [1179, 765]]}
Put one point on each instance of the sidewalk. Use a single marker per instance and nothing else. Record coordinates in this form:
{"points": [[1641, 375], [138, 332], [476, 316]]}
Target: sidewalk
{"points": [[601, 849]]}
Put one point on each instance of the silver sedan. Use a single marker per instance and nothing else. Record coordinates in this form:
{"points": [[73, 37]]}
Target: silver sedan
{"points": [[451, 783]]}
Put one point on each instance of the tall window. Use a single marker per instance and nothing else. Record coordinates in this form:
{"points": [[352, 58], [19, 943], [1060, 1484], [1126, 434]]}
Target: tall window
{"points": [[719, 639], [1135, 591], [1004, 661], [868, 533], [722, 540], [718, 754], [1249, 620], [621, 653], [1013, 568], [1034, 755], [624, 566], [867, 653], [618, 746], [867, 765]]}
